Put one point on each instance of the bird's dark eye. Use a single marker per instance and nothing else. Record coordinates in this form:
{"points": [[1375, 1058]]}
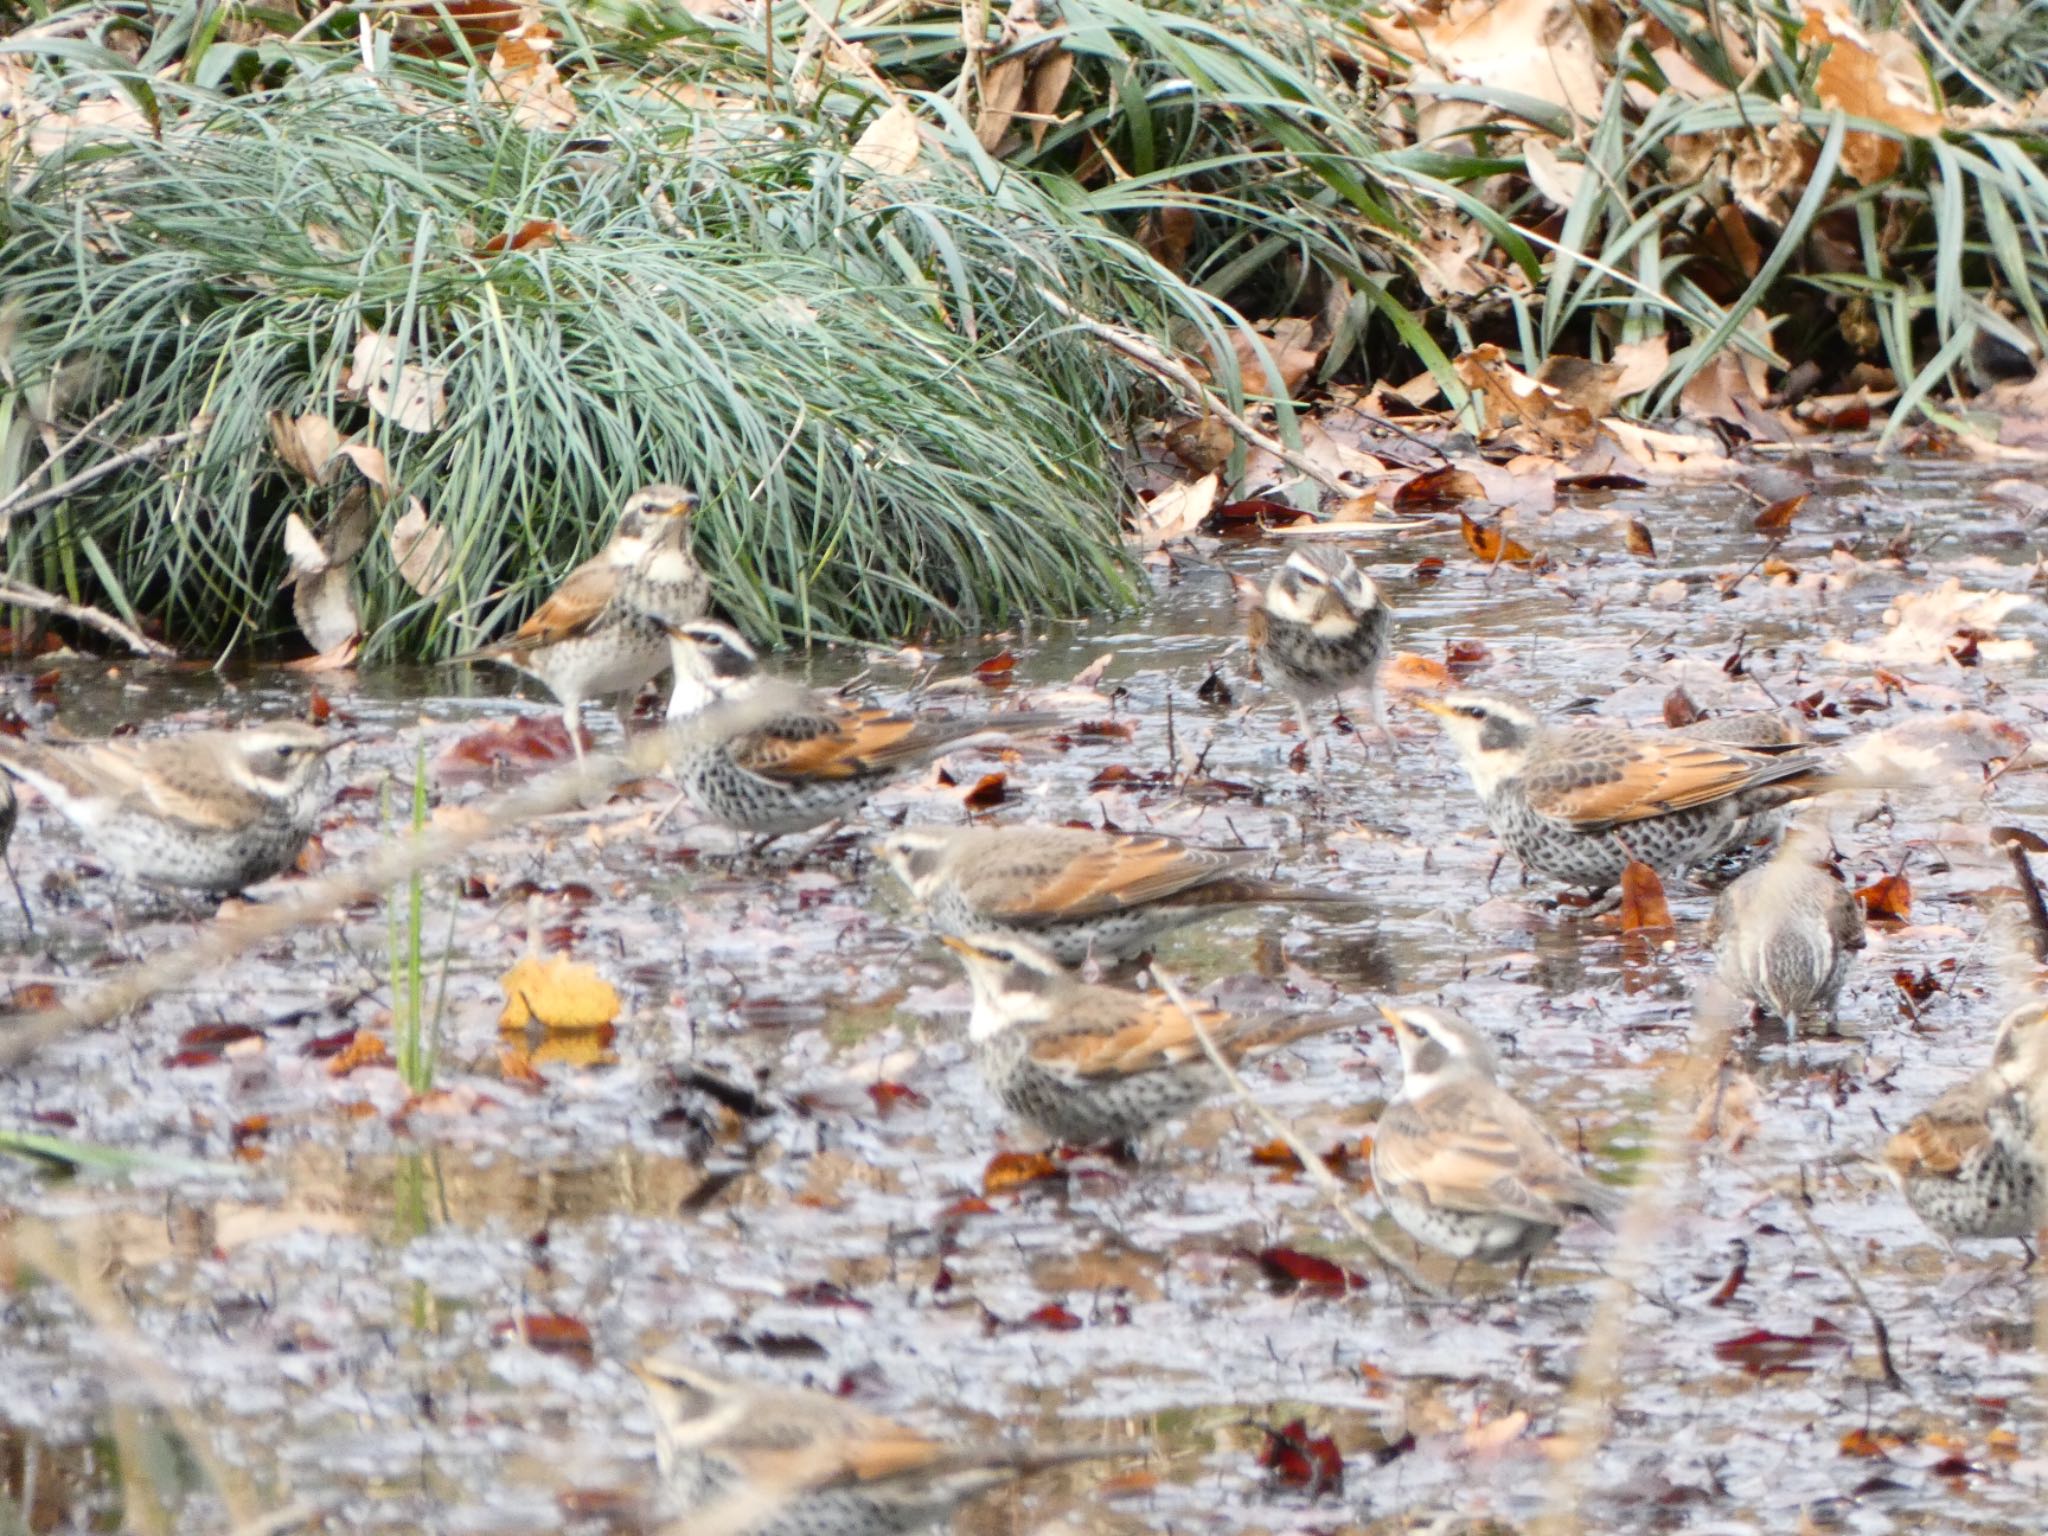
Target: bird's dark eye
{"points": [[284, 754], [1471, 712]]}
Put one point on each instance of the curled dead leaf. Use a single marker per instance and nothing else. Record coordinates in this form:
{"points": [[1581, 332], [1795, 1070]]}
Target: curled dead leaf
{"points": [[409, 394], [1642, 899], [558, 993], [419, 550]]}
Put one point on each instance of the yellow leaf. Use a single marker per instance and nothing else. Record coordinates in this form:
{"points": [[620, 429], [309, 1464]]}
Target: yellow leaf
{"points": [[558, 992]]}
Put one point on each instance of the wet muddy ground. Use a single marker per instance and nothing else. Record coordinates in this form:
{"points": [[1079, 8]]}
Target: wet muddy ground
{"points": [[415, 1317]]}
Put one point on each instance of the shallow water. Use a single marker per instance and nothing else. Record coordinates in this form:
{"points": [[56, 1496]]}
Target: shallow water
{"points": [[342, 1307]]}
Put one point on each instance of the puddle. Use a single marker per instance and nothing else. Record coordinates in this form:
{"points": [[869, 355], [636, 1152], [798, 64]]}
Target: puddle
{"points": [[348, 1309]]}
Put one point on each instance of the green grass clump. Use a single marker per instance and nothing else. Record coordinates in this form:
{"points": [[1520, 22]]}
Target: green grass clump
{"points": [[894, 430]]}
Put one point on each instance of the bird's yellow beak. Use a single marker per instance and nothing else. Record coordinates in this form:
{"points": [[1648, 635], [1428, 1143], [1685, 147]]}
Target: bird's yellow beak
{"points": [[682, 506], [1435, 706], [1392, 1015], [958, 946]]}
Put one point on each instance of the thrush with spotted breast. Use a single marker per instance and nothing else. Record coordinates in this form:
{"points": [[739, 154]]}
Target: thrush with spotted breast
{"points": [[1075, 891], [774, 1461], [1087, 1063], [1321, 631], [1971, 1164], [603, 631], [1461, 1165], [212, 811], [1578, 804], [1785, 935], [762, 755]]}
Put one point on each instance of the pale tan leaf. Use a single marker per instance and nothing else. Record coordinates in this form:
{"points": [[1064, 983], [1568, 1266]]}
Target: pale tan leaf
{"points": [[889, 144], [306, 443], [370, 462], [1642, 364], [419, 549], [524, 79], [1176, 511], [410, 394]]}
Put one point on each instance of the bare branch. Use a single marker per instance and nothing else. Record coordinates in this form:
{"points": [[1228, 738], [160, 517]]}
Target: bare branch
{"points": [[19, 594]]}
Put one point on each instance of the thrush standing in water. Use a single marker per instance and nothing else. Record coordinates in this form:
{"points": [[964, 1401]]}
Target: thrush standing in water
{"points": [[211, 811], [762, 755], [604, 629], [1577, 804], [1970, 1164], [1460, 1164], [1077, 892], [1088, 1064], [783, 1462], [1784, 936], [1321, 631]]}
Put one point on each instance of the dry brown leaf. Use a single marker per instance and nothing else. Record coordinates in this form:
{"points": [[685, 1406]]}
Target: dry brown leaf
{"points": [[1777, 517], [1881, 76], [307, 444], [1175, 512], [419, 551], [888, 145], [1888, 900], [1642, 899], [1642, 364], [1511, 398], [524, 79], [556, 992], [1491, 544], [370, 463], [409, 394], [1406, 672]]}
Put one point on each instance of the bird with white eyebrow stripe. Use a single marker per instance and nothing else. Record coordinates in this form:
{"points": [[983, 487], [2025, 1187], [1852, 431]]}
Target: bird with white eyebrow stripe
{"points": [[1321, 631]]}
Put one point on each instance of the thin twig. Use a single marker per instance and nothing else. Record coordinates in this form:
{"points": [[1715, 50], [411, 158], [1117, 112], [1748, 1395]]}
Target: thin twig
{"points": [[2030, 888], [1880, 1334], [35, 1244], [1165, 369], [52, 460], [1586, 1411], [19, 594], [1312, 1164], [19, 501]]}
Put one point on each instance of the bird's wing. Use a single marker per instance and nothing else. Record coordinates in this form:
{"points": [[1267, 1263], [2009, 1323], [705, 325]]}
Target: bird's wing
{"points": [[570, 610], [1127, 1036], [1106, 876], [1469, 1151], [1946, 1135], [823, 741], [1611, 777]]}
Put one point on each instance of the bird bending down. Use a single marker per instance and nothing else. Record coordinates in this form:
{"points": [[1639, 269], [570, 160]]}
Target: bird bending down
{"points": [[1321, 631], [1088, 1064], [782, 1462], [1970, 1164], [603, 630], [1577, 804], [212, 811], [1784, 935], [1460, 1164], [768, 757], [1079, 893]]}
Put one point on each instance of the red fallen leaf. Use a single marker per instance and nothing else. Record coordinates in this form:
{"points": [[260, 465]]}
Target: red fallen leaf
{"points": [[1889, 900], [1427, 569], [1725, 1292], [1642, 899], [1763, 1353], [1463, 655], [1440, 488], [998, 665], [1289, 1268], [1491, 545], [322, 1046], [1275, 1154], [619, 1508], [179, 1060], [1777, 517], [1054, 1316], [1126, 1485], [888, 1095], [970, 1205], [987, 792], [532, 232], [1013, 1170], [1105, 730], [551, 1333], [1917, 988], [1245, 519], [1835, 413], [31, 997], [1298, 1460], [1954, 1466], [215, 1038], [1679, 709], [364, 1049], [318, 710], [1862, 1443], [823, 1293], [45, 684], [254, 1128], [63, 1119], [1639, 542], [1890, 682], [523, 742], [1601, 482]]}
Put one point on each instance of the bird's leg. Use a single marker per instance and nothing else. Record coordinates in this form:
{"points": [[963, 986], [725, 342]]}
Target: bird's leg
{"points": [[1380, 725], [1498, 859], [759, 846], [1451, 1285], [1522, 1272], [572, 719], [832, 830], [19, 894]]}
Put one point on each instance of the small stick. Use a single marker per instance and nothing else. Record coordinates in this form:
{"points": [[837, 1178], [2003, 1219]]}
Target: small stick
{"points": [[55, 457], [2030, 887], [20, 500], [1312, 1164], [18, 594], [1880, 1334]]}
